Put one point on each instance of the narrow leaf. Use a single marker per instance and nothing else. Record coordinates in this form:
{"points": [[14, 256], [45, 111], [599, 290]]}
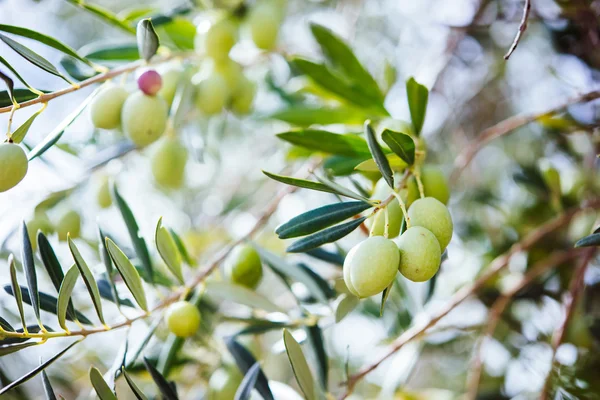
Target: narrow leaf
{"points": [[341, 190], [20, 95], [384, 297], [100, 386], [301, 183], [401, 144], [303, 115], [588, 241], [105, 257], [111, 51], [245, 361], [106, 292], [128, 272], [327, 256], [50, 261], [163, 385], [328, 235], [12, 348], [318, 280], [168, 354], [182, 249], [417, 95], [64, 295], [19, 77], [241, 295], [19, 134], [168, 250], [104, 14], [144, 343], [328, 142], [30, 273], [9, 84], [15, 287], [247, 385], [315, 334], [346, 305], [379, 156], [88, 278], [48, 390], [139, 395], [299, 366], [147, 39]]}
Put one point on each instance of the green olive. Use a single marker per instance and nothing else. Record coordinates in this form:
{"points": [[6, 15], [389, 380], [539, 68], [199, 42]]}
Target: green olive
{"points": [[13, 165], [170, 80], [377, 223], [264, 22], [242, 99], [144, 118], [39, 222], [432, 214], [220, 38], [103, 196], [434, 184], [420, 254], [223, 383], [231, 71], [371, 266], [243, 266], [105, 108], [168, 163], [69, 224], [212, 94], [183, 319]]}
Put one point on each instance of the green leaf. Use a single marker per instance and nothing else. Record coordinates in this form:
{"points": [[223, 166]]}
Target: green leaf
{"points": [[9, 84], [299, 366], [111, 51], [417, 95], [181, 32], [64, 295], [4, 324], [401, 144], [37, 370], [20, 95], [245, 360], [144, 342], [588, 241], [147, 39], [100, 386], [135, 13], [139, 244], [19, 134], [328, 142], [30, 273], [48, 390], [107, 293], [241, 295], [341, 190], [304, 115], [128, 272], [6, 349], [16, 73], [379, 156], [76, 70], [384, 297], [56, 134], [88, 278], [320, 218], [244, 391], [15, 287], [182, 249], [396, 163], [47, 40], [165, 388], [105, 257], [346, 305], [50, 261], [104, 14], [168, 354], [32, 57], [328, 235], [168, 250], [343, 166], [315, 334], [342, 58], [139, 395]]}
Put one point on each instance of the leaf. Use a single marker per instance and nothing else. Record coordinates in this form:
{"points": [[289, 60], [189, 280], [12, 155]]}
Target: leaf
{"points": [[20, 95], [241, 295], [588, 241], [100, 386], [144, 342], [30, 273], [78, 71], [401, 144], [19, 134], [341, 190], [10, 85], [305, 115], [316, 339], [104, 14], [168, 354], [12, 348], [32, 56], [15, 287], [347, 304], [319, 281], [301, 183], [50, 260], [341, 57], [38, 369], [163, 385], [19, 77], [328, 235], [342, 165], [139, 244], [147, 39], [168, 250], [327, 256], [47, 40], [247, 385], [384, 297], [182, 249], [88, 278], [48, 390], [130, 275], [320, 218], [139, 395], [379, 156], [4, 324], [245, 361], [105, 257], [299, 366], [333, 143], [111, 51], [396, 163], [181, 32], [106, 293], [64, 295], [56, 134], [417, 95]]}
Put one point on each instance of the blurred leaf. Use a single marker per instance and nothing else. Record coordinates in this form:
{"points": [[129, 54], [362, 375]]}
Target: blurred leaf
{"points": [[182, 249], [88, 278], [135, 13], [106, 292], [256, 326], [384, 297], [333, 143], [588, 241], [4, 324], [100, 386], [16, 73], [64, 295], [111, 51], [9, 84], [139, 244], [245, 361], [181, 32], [139, 395], [327, 256], [37, 370], [322, 283], [345, 306], [53, 199], [20, 95], [241, 295], [50, 261], [144, 342], [163, 385], [30, 273], [48, 390], [328, 235], [299, 366], [104, 14], [342, 166], [301, 183], [316, 339], [244, 391], [56, 134], [342, 190], [379, 156], [168, 354], [168, 250], [15, 287], [19, 134], [76, 70], [401, 144], [128, 272], [12, 348], [47, 40], [147, 39], [304, 115], [32, 56], [320, 218], [417, 95]]}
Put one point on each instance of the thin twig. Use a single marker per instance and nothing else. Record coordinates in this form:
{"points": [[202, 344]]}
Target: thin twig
{"points": [[522, 28]]}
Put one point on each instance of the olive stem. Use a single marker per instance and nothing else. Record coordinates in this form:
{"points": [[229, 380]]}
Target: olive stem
{"points": [[377, 216], [403, 208], [417, 174]]}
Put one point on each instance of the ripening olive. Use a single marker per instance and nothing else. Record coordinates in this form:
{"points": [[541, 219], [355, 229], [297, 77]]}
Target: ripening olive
{"points": [[103, 196], [212, 94], [144, 118], [243, 266], [223, 383], [264, 21], [39, 222], [377, 223], [170, 80], [149, 82], [105, 108], [220, 38], [420, 254], [183, 319], [371, 266], [431, 214], [434, 184], [68, 224], [231, 71], [168, 163], [13, 165], [241, 102]]}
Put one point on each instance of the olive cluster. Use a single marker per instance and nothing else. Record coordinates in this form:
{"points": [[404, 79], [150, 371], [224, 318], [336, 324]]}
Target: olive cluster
{"points": [[68, 223]]}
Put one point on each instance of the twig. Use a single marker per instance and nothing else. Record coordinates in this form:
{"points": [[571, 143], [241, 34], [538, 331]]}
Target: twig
{"points": [[575, 289], [497, 309], [508, 125], [495, 266], [522, 28]]}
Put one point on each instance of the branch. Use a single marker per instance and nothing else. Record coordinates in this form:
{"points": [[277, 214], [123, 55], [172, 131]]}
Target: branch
{"points": [[522, 28], [508, 125], [495, 266]]}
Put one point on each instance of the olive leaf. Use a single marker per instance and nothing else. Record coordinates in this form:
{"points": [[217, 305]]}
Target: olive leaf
{"points": [[9, 84], [88, 278], [333, 143], [16, 73], [401, 144], [417, 96], [163, 385], [15, 287], [384, 297], [345, 306], [245, 361], [128, 272], [30, 273], [379, 156], [147, 39], [19, 134], [12, 348], [241, 295], [315, 335], [100, 386], [64, 295], [19, 95], [328, 235], [48, 390], [104, 14], [299, 366], [139, 395], [588, 241], [167, 248], [247, 385]]}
